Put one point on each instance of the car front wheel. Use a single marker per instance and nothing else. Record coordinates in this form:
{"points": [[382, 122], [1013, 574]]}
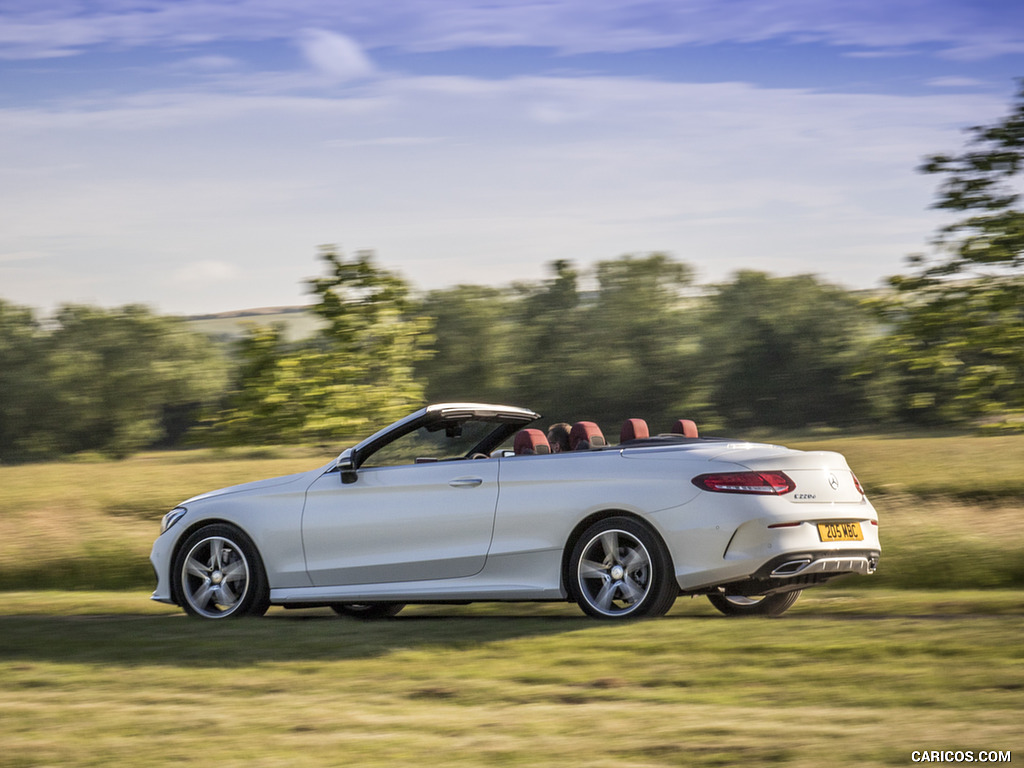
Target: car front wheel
{"points": [[620, 569], [219, 575], [764, 605]]}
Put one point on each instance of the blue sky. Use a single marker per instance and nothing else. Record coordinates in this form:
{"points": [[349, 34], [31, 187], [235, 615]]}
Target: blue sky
{"points": [[193, 154]]}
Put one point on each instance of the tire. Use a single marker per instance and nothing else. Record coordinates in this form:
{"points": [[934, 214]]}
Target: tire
{"points": [[619, 569], [218, 574], [367, 611], [767, 605]]}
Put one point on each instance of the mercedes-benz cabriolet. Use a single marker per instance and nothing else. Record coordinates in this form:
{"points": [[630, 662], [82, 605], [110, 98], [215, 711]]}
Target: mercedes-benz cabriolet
{"points": [[463, 502]]}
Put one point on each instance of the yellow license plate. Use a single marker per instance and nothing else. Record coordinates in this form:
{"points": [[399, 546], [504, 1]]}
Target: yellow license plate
{"points": [[840, 532]]}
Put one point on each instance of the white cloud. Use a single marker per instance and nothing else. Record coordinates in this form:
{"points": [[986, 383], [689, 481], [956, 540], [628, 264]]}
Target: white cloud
{"points": [[336, 56], [956, 82]]}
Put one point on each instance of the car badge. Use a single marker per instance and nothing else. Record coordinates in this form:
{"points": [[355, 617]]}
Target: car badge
{"points": [[833, 481]]}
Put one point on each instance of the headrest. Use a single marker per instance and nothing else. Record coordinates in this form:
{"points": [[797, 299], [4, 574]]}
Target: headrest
{"points": [[633, 429], [585, 435], [529, 442], [685, 427]]}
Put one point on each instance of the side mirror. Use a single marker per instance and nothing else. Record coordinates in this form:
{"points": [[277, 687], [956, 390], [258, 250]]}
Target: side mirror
{"points": [[346, 468]]}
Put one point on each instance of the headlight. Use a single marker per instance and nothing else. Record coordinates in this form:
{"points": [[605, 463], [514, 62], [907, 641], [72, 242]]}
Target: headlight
{"points": [[171, 518]]}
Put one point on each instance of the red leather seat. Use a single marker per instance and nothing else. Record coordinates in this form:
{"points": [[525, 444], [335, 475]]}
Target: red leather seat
{"points": [[529, 442], [586, 435], [685, 427], [633, 429]]}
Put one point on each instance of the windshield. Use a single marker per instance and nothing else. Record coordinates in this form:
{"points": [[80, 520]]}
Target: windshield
{"points": [[440, 441]]}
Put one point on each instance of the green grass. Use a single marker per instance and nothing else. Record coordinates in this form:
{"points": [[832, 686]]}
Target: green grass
{"points": [[865, 680], [862, 672]]}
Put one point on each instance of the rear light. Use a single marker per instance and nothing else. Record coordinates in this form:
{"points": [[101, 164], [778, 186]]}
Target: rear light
{"points": [[759, 483], [856, 483]]}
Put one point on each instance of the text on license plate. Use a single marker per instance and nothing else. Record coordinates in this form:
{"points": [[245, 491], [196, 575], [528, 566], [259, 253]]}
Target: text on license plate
{"points": [[840, 532]]}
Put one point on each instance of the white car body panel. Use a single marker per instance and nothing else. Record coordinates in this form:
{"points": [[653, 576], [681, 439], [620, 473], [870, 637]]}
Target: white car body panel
{"points": [[417, 522]]}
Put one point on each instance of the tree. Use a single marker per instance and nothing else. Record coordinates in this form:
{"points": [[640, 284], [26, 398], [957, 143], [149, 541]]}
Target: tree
{"points": [[954, 352], [265, 398], [956, 346], [546, 365], [116, 373], [783, 352], [640, 339], [476, 338], [356, 375], [365, 369], [980, 181], [24, 384]]}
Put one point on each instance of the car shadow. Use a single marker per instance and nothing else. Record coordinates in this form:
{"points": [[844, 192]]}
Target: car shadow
{"points": [[177, 640]]}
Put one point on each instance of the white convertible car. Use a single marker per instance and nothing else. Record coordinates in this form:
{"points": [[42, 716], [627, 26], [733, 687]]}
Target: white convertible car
{"points": [[464, 502]]}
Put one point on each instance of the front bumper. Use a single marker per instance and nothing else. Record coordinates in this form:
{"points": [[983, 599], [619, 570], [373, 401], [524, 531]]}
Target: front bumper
{"points": [[160, 558]]}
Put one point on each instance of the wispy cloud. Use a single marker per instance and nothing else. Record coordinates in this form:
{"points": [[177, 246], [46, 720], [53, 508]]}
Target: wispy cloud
{"points": [[498, 175], [962, 29], [956, 82], [335, 56]]}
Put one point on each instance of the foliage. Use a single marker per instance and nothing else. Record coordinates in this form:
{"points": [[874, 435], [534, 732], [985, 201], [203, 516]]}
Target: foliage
{"points": [[477, 337], [954, 353], [640, 339], [980, 180], [101, 380], [783, 353], [356, 374], [24, 382], [954, 350], [619, 350]]}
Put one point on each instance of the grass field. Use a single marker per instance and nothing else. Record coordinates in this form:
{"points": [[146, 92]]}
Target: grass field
{"points": [[864, 672], [848, 679]]}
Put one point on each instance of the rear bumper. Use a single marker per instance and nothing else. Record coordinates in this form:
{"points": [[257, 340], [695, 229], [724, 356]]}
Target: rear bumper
{"points": [[811, 565], [793, 571]]}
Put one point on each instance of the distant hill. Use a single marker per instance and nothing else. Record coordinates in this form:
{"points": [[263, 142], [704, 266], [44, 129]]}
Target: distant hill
{"points": [[299, 322]]}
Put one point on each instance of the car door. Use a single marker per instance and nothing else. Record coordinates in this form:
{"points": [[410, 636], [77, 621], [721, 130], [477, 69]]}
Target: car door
{"points": [[412, 522]]}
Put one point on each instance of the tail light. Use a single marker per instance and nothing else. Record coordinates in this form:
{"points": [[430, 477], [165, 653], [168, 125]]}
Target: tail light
{"points": [[758, 483], [856, 483]]}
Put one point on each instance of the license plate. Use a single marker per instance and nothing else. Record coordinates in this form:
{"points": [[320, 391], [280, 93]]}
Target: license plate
{"points": [[840, 532]]}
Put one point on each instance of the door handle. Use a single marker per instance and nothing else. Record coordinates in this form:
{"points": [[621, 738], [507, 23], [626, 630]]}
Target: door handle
{"points": [[466, 482]]}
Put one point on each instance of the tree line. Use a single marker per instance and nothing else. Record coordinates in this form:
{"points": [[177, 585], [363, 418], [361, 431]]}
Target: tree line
{"points": [[634, 336]]}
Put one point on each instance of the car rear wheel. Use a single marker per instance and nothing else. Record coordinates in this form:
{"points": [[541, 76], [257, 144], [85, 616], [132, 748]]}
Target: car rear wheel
{"points": [[620, 569], [219, 575], [761, 605], [367, 611]]}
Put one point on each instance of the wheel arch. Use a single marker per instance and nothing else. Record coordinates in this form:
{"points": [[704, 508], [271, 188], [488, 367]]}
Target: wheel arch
{"points": [[595, 517]]}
